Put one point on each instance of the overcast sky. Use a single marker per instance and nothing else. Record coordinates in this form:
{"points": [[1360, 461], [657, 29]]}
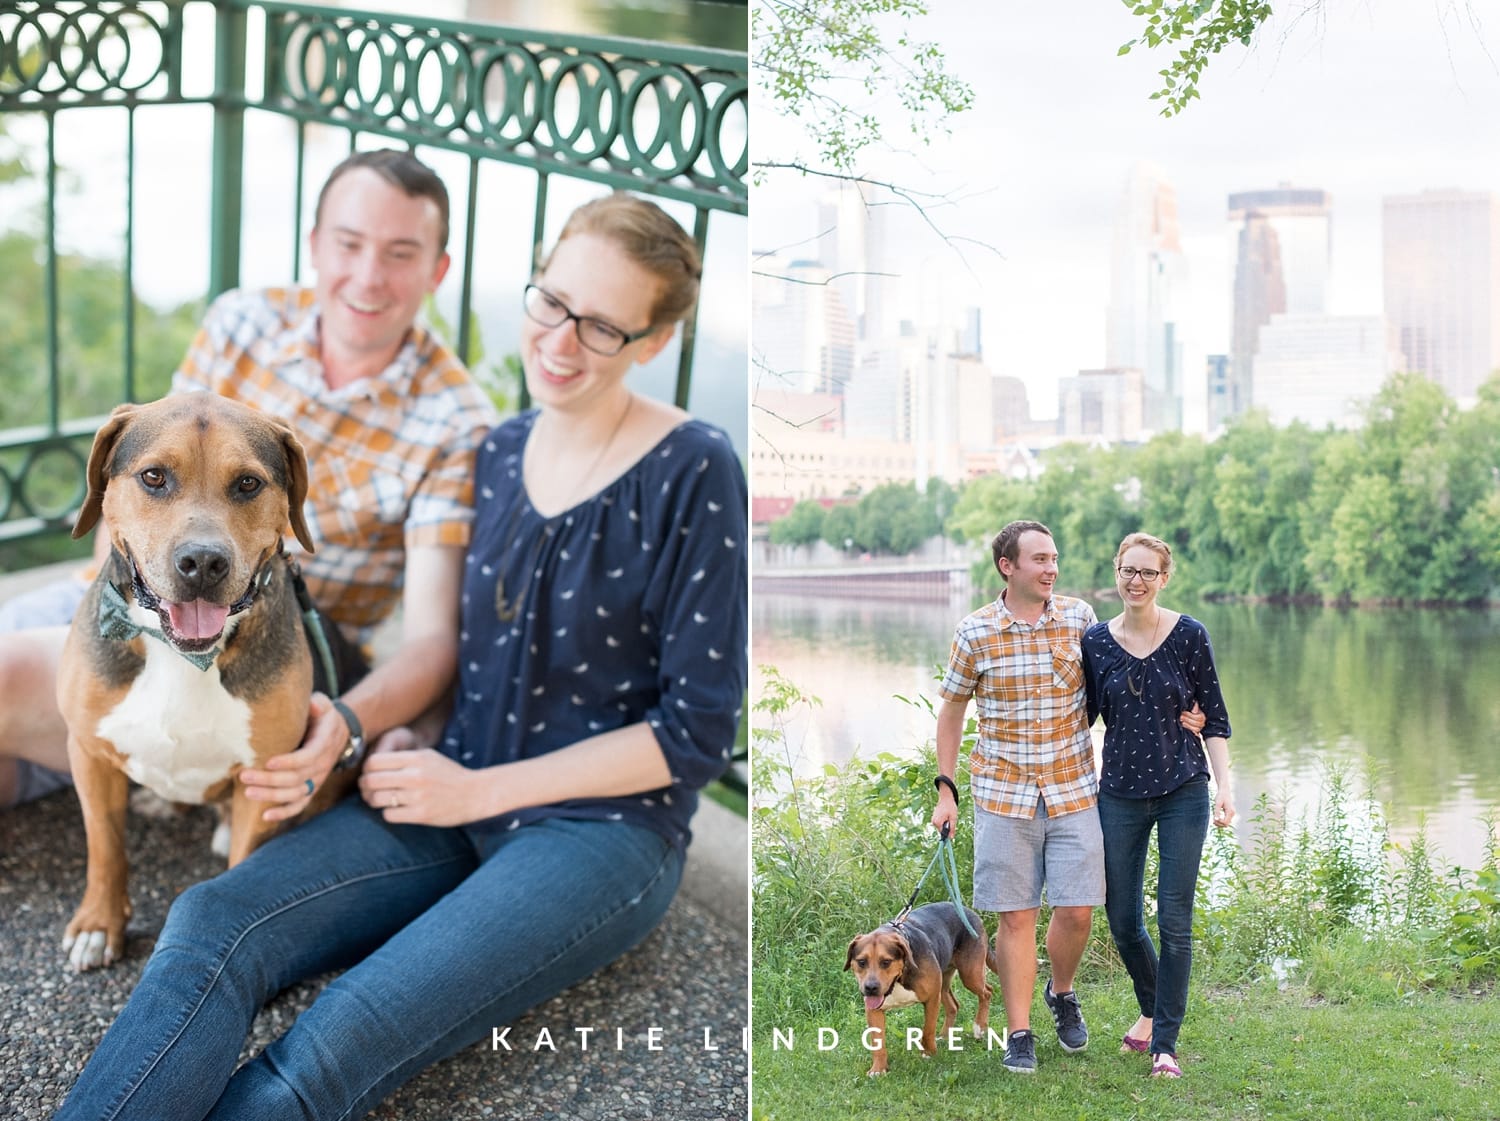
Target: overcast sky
{"points": [[1362, 99]]}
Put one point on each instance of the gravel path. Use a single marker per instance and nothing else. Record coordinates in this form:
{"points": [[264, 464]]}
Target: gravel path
{"points": [[686, 979]]}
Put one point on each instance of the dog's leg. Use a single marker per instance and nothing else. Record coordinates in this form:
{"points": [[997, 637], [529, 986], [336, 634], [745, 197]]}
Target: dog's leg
{"points": [[950, 1002], [971, 964], [96, 934], [929, 1023], [875, 1018], [247, 832]]}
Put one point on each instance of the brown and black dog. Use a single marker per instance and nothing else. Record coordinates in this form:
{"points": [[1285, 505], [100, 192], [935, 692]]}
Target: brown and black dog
{"points": [[187, 660], [912, 961]]}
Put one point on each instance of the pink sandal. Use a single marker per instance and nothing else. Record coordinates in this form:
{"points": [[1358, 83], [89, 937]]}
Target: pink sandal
{"points": [[1164, 1065], [1132, 1046]]}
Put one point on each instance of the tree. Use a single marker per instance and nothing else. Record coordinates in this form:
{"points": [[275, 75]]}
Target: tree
{"points": [[1404, 508], [839, 528], [1203, 28], [893, 518], [1261, 477], [812, 57], [91, 358], [802, 525]]}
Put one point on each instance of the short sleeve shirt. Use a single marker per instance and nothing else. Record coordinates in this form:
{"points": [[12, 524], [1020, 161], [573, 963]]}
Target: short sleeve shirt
{"points": [[390, 457], [1027, 683]]}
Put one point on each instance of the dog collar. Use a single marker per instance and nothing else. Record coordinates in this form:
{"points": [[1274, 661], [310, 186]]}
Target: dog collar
{"points": [[115, 623]]}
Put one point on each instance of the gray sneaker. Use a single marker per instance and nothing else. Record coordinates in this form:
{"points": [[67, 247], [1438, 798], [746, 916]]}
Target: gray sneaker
{"points": [[1071, 1031], [1020, 1052]]}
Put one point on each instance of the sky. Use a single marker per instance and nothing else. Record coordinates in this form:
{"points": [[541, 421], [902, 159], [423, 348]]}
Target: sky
{"points": [[1362, 99]]}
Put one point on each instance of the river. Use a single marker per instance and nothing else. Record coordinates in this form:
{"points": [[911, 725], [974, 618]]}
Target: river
{"points": [[1406, 695]]}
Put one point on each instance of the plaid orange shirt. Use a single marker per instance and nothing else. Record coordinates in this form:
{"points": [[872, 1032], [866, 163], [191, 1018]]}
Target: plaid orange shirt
{"points": [[1033, 723], [390, 458]]}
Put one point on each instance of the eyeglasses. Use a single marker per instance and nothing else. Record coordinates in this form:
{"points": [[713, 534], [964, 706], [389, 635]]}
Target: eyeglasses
{"points": [[594, 334], [1128, 573]]}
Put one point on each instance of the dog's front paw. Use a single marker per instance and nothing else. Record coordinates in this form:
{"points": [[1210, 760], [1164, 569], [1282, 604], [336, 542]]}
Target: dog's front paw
{"points": [[873, 1073], [89, 949], [91, 942]]}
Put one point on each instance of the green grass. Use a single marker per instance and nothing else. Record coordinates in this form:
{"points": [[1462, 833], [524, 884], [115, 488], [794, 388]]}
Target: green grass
{"points": [[1335, 974], [1247, 1052]]}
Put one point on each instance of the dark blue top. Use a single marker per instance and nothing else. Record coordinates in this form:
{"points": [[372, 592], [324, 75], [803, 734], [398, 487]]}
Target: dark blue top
{"points": [[632, 608], [1147, 753]]}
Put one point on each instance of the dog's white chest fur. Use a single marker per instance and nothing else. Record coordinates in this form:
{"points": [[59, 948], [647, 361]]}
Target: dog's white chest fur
{"points": [[179, 731], [900, 997]]}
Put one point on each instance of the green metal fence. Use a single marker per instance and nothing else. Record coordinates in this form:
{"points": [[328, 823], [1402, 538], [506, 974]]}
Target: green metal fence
{"points": [[648, 117]]}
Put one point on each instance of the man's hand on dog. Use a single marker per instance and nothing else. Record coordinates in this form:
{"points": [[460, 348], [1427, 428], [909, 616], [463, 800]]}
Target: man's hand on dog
{"points": [[284, 779], [412, 784]]}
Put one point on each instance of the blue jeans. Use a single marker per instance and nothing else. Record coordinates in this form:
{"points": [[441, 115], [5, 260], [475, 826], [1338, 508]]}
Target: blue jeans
{"points": [[1181, 821], [443, 934]]}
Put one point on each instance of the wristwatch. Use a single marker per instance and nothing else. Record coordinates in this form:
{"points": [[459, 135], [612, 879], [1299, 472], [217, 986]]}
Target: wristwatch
{"points": [[354, 750]]}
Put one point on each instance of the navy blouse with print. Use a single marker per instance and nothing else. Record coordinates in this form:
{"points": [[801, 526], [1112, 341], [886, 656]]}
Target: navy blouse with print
{"points": [[1147, 753], [629, 607]]}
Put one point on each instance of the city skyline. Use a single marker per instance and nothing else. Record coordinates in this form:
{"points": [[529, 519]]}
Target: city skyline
{"points": [[1313, 108]]}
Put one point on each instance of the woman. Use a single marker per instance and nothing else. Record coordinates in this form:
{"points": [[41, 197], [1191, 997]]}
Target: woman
{"points": [[1145, 669], [602, 668]]}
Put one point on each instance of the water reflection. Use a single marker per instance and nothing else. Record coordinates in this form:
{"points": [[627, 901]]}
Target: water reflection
{"points": [[1408, 691]]}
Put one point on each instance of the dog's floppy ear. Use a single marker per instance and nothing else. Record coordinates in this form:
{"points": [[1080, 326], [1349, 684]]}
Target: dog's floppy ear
{"points": [[849, 960], [98, 468], [902, 950], [296, 480]]}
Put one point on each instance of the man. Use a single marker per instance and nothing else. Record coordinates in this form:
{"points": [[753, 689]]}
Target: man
{"points": [[390, 421], [1032, 779]]}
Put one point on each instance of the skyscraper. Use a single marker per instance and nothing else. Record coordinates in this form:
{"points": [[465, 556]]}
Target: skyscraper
{"points": [[1106, 403], [1442, 284], [1282, 246], [1216, 374], [842, 222], [854, 244], [804, 338], [1148, 282], [1321, 369]]}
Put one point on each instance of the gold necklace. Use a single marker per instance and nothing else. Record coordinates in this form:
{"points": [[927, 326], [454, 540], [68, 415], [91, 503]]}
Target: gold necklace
{"points": [[1136, 690], [506, 610]]}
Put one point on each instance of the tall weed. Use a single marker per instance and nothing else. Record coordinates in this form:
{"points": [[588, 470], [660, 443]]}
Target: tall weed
{"points": [[839, 852]]}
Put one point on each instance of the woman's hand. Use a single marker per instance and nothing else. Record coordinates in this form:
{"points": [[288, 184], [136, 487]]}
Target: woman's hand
{"points": [[414, 785], [289, 781], [1224, 810], [1193, 720]]}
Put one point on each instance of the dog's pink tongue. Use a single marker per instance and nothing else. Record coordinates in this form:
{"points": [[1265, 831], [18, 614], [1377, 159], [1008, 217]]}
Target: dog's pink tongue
{"points": [[198, 619], [872, 1003]]}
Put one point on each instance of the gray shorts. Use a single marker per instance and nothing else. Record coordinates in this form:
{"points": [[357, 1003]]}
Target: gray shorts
{"points": [[1014, 857], [51, 605]]}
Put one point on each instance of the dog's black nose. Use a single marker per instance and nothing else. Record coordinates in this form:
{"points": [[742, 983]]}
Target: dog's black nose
{"points": [[201, 566]]}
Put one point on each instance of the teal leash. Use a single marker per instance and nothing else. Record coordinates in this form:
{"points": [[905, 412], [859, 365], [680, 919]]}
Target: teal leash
{"points": [[945, 859], [312, 623]]}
